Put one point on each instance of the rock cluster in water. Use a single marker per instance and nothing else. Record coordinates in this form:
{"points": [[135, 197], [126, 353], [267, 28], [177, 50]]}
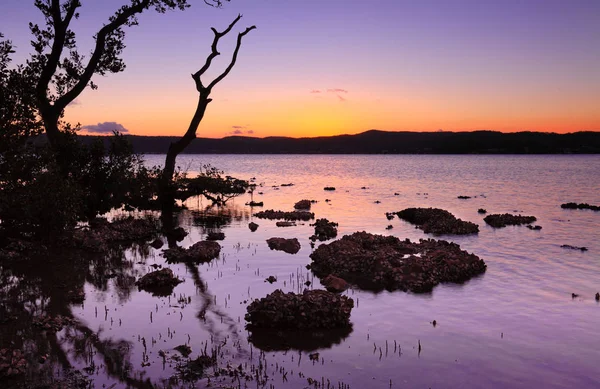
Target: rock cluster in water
{"points": [[313, 309], [294, 215], [324, 230], [377, 262], [502, 220], [290, 246], [159, 282], [437, 221], [199, 252], [102, 234], [580, 206]]}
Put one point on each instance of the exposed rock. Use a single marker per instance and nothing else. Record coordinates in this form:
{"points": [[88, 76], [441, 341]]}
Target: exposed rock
{"points": [[376, 262], [312, 309], [580, 206], [324, 230], [389, 227], [290, 246], [481, 211], [255, 203], [204, 251], [271, 279], [285, 224], [334, 284], [389, 215], [437, 221], [597, 297], [303, 205], [294, 215], [535, 228], [157, 243], [330, 188], [215, 236], [159, 282], [568, 246], [464, 197], [253, 226], [506, 219], [290, 184]]}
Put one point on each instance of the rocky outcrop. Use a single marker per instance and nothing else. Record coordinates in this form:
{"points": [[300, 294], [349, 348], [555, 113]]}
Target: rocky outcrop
{"points": [[376, 262], [314, 309], [324, 230], [290, 246], [580, 206], [502, 220], [437, 221], [204, 251], [294, 215], [159, 282]]}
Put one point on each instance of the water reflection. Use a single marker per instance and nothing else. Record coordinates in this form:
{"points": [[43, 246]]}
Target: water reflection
{"points": [[273, 340]]}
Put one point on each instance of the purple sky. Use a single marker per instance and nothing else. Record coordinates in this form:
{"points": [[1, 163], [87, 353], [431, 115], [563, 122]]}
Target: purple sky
{"points": [[404, 65]]}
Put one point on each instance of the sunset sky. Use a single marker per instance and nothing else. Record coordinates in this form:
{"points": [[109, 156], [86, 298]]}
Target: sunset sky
{"points": [[342, 66]]}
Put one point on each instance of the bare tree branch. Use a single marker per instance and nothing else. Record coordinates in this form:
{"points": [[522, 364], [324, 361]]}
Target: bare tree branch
{"points": [[233, 59], [118, 21]]}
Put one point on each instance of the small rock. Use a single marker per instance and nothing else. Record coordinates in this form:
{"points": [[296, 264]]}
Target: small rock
{"points": [[389, 227], [597, 296], [303, 205], [330, 188], [290, 246], [535, 228], [568, 246], [271, 279], [314, 356], [464, 197], [482, 211], [574, 295], [253, 226], [506, 219], [285, 224]]}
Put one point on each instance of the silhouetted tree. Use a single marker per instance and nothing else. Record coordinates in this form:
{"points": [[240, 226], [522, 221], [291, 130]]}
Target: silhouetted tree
{"points": [[167, 190], [62, 74]]}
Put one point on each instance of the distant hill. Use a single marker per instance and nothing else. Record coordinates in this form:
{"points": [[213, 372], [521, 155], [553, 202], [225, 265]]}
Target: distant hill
{"points": [[383, 142]]}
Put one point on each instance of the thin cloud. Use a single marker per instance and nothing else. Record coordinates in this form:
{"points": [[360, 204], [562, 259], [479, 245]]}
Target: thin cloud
{"points": [[315, 91], [105, 128], [249, 132], [236, 132], [341, 98], [337, 90], [238, 127]]}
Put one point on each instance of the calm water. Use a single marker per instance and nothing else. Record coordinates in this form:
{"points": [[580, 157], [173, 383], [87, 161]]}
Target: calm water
{"points": [[516, 326]]}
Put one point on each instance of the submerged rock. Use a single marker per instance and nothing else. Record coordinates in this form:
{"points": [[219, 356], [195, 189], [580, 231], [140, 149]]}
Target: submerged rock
{"points": [[294, 215], [377, 262], [253, 226], [313, 309], [290, 246], [535, 228], [580, 206], [204, 251], [437, 221], [506, 219], [159, 282], [324, 230]]}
